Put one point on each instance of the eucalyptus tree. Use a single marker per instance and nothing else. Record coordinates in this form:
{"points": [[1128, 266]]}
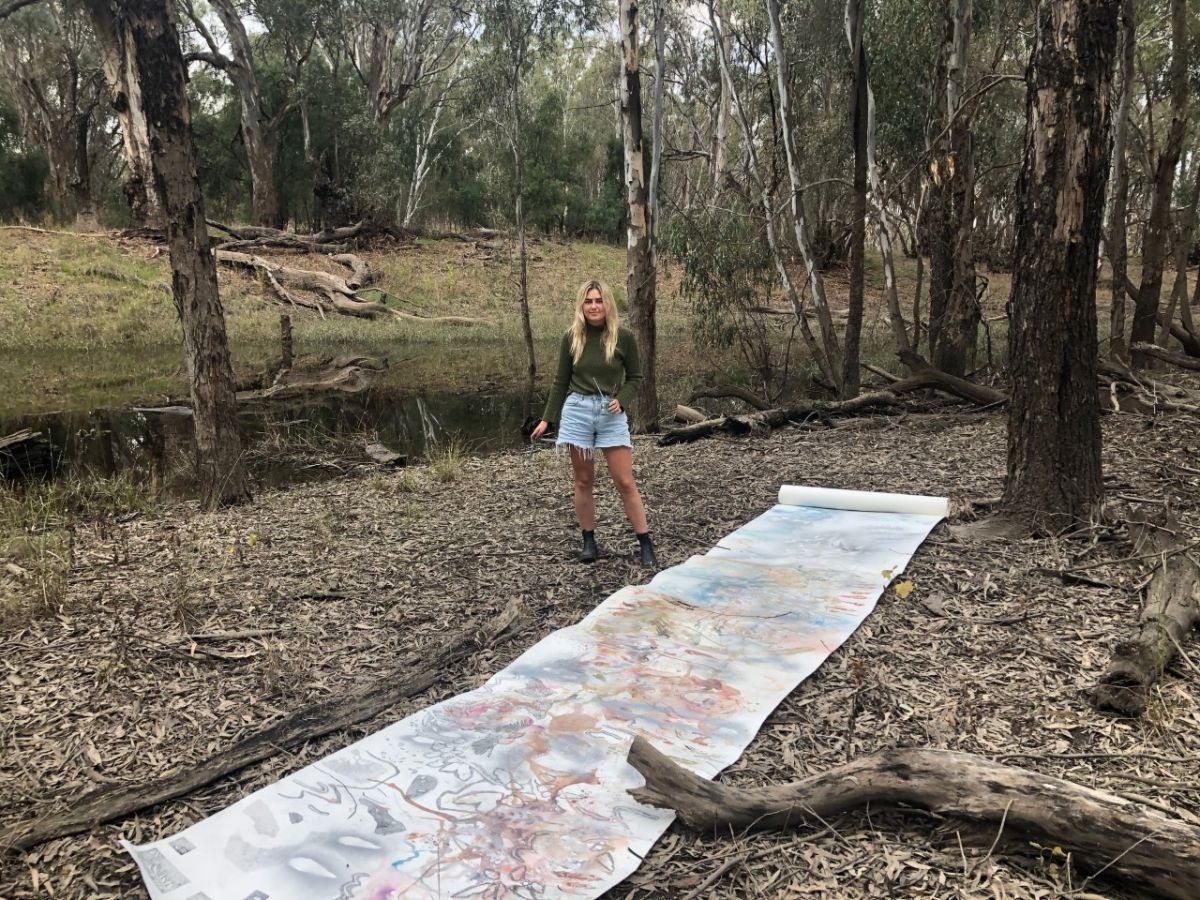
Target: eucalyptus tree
{"points": [[260, 130], [1116, 243], [515, 33], [395, 46], [52, 68], [1054, 474], [641, 199], [1156, 235]]}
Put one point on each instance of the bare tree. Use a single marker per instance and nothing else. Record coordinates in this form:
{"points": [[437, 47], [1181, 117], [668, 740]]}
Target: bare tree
{"points": [[1054, 471], [1155, 239]]}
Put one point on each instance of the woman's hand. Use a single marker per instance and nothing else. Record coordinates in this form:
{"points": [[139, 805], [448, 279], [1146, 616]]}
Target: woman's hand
{"points": [[614, 406], [538, 431]]}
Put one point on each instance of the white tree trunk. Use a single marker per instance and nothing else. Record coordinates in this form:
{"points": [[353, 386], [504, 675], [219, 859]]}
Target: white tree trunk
{"points": [[796, 199]]}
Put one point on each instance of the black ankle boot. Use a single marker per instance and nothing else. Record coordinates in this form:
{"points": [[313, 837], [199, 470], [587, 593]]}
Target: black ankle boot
{"points": [[646, 551], [590, 551]]}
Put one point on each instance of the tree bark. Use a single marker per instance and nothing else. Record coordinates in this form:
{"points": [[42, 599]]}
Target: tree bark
{"points": [[640, 276], [145, 32], [1054, 472], [260, 136], [954, 310], [1118, 242], [1183, 246], [1156, 237], [145, 203], [1170, 610], [1102, 832], [858, 225]]}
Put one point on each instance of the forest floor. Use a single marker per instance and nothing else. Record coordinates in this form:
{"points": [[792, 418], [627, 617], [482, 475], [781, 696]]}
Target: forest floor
{"points": [[348, 578]]}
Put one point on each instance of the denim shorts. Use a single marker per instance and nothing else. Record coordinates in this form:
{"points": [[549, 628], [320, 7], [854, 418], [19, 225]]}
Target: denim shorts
{"points": [[587, 423]]}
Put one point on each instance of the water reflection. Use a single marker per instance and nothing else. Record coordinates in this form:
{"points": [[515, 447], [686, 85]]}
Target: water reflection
{"points": [[158, 444]]}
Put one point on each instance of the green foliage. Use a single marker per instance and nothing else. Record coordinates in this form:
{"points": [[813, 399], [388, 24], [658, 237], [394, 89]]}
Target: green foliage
{"points": [[730, 279], [23, 172], [727, 269]]}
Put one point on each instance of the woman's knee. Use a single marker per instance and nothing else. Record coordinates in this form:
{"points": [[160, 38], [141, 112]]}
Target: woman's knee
{"points": [[625, 484], [584, 480]]}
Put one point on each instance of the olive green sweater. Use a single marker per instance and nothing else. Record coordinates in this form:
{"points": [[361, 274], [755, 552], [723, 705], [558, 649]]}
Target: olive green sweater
{"points": [[593, 374]]}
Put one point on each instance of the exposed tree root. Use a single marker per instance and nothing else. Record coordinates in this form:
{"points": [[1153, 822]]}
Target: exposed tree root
{"points": [[1100, 832]]}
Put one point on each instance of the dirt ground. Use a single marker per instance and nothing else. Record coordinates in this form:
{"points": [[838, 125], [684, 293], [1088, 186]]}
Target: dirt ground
{"points": [[347, 579]]}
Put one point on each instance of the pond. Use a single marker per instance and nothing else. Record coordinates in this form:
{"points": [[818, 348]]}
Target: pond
{"points": [[428, 398]]}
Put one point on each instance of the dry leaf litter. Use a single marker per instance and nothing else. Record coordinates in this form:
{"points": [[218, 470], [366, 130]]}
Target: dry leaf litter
{"points": [[328, 586]]}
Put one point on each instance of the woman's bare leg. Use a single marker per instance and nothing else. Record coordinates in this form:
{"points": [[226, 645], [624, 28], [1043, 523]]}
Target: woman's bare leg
{"points": [[620, 466], [583, 464]]}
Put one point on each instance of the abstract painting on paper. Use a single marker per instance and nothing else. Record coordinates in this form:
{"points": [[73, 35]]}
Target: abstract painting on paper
{"points": [[518, 789]]}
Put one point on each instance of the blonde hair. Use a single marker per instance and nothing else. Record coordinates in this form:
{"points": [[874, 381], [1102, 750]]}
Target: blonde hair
{"points": [[611, 320]]}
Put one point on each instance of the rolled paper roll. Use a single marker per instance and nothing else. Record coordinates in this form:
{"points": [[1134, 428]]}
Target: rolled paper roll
{"points": [[863, 501]]}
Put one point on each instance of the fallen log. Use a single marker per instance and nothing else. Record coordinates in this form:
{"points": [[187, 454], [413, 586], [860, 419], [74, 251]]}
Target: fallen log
{"points": [[1170, 610], [309, 723], [688, 414], [925, 375], [263, 233], [1175, 359], [326, 292], [774, 418], [722, 391], [1100, 832], [362, 275], [26, 454]]}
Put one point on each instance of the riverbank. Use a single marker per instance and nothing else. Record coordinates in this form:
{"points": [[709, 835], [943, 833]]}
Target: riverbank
{"points": [[340, 582]]}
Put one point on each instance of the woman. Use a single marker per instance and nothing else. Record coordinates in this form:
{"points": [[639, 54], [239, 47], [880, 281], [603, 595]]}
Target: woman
{"points": [[598, 363]]}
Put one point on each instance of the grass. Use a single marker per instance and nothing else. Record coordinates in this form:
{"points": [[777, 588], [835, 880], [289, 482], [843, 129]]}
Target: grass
{"points": [[446, 460], [86, 322], [36, 536]]}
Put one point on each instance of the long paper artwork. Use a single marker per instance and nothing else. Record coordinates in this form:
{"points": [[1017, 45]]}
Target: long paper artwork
{"points": [[518, 789]]}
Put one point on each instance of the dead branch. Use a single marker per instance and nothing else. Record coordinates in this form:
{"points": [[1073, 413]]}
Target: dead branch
{"points": [[775, 418], [362, 275], [1170, 610], [1101, 832], [718, 391], [303, 725], [1175, 359], [925, 375]]}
